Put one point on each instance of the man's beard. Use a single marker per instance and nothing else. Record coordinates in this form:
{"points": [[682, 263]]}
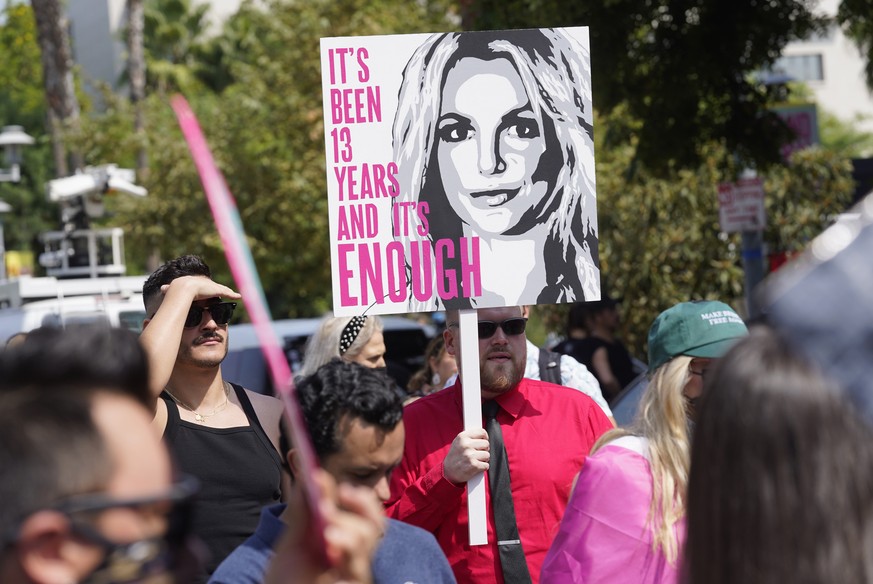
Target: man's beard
{"points": [[186, 352], [500, 378]]}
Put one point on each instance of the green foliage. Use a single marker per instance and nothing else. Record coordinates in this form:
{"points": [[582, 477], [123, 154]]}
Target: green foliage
{"points": [[681, 66], [259, 104], [679, 111], [842, 137], [856, 18], [803, 197], [660, 241], [22, 102], [267, 135], [22, 98], [173, 38]]}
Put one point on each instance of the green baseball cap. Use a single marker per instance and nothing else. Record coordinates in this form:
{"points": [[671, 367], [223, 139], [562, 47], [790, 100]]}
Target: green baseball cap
{"points": [[697, 329]]}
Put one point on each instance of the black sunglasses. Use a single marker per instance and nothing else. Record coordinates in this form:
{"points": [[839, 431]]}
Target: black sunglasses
{"points": [[510, 326], [138, 560], [220, 312], [171, 552]]}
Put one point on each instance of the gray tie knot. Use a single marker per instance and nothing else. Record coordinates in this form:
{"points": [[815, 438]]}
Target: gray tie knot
{"points": [[490, 409]]}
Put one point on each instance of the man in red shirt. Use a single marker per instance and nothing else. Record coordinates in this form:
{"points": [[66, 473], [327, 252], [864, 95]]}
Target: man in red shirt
{"points": [[547, 432]]}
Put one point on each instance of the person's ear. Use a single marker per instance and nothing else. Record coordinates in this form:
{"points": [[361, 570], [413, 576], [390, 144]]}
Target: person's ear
{"points": [[451, 348], [47, 552]]}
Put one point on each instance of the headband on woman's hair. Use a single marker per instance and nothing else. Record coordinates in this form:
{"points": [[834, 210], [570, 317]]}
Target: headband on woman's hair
{"points": [[350, 333]]}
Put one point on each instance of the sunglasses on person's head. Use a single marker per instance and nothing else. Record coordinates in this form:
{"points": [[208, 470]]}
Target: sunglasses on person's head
{"points": [[511, 327], [220, 312]]}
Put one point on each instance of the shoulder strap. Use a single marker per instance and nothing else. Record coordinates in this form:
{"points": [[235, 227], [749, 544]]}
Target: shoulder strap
{"points": [[173, 418], [249, 410], [550, 366]]}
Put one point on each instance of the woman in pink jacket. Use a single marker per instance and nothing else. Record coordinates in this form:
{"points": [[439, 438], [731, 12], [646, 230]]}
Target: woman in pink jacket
{"points": [[625, 521]]}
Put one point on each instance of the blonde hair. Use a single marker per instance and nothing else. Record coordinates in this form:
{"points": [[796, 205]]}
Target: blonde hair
{"points": [[663, 421], [324, 344], [555, 71]]}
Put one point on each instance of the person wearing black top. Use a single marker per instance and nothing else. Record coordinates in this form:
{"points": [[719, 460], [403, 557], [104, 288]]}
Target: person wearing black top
{"points": [[226, 436], [591, 341]]}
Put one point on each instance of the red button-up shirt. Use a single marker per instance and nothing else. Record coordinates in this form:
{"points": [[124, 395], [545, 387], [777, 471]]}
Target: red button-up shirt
{"points": [[547, 430]]}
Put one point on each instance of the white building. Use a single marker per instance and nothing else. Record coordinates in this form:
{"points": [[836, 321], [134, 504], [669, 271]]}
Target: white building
{"points": [[833, 68]]}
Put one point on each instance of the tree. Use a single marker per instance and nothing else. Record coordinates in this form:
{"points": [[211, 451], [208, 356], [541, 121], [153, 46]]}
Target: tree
{"points": [[22, 102], [266, 132], [856, 18], [173, 32], [683, 67], [659, 235], [843, 137], [136, 73], [22, 96], [680, 111], [57, 69], [660, 241]]}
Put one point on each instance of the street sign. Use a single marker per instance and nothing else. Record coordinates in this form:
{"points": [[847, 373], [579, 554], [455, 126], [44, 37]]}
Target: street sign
{"points": [[741, 205], [803, 121]]}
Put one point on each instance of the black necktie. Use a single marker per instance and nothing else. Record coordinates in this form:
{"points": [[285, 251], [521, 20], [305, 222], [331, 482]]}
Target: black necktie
{"points": [[508, 543]]}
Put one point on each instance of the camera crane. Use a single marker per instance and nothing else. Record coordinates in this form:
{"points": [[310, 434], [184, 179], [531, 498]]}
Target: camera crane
{"points": [[77, 251]]}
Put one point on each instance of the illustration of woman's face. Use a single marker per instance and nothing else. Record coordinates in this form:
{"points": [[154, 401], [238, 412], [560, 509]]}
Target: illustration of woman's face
{"points": [[489, 143]]}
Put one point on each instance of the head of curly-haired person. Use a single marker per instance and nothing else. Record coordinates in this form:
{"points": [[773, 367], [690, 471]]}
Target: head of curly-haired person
{"points": [[186, 265], [355, 421]]}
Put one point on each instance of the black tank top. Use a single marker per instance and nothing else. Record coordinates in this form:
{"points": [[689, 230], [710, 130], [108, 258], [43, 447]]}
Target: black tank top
{"points": [[239, 472]]}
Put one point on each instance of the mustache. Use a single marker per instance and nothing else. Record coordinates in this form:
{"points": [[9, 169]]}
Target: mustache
{"points": [[503, 351], [208, 336]]}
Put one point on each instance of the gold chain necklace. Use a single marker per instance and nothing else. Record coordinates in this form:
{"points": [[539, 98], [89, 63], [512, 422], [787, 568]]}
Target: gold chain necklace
{"points": [[201, 418]]}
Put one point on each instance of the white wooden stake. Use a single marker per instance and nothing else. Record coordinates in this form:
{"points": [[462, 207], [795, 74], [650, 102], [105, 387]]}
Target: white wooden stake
{"points": [[468, 324]]}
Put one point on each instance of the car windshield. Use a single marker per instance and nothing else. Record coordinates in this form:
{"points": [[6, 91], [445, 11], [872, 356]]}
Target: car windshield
{"points": [[131, 320]]}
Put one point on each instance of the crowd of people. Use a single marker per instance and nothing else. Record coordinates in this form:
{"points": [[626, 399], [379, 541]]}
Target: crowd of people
{"points": [[130, 458]]}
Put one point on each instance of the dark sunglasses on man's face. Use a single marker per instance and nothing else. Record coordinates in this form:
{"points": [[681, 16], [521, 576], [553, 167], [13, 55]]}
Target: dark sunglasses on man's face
{"points": [[140, 560], [220, 312], [511, 327], [174, 553]]}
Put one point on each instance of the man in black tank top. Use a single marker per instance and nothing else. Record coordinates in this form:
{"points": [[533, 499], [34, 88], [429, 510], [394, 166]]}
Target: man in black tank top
{"points": [[221, 433]]}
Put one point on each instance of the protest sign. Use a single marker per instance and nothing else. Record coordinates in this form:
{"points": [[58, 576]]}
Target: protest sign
{"points": [[460, 170], [460, 173]]}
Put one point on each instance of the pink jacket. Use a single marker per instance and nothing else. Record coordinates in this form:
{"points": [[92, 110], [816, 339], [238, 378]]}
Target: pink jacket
{"points": [[603, 537]]}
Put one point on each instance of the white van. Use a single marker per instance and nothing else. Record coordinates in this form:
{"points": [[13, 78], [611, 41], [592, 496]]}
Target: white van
{"points": [[35, 302]]}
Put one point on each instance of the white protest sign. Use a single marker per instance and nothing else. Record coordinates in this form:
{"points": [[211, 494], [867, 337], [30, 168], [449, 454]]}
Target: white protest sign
{"points": [[460, 174], [741, 206], [460, 170]]}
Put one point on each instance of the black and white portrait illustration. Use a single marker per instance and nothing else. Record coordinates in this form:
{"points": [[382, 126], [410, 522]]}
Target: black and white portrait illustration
{"points": [[492, 195]]}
